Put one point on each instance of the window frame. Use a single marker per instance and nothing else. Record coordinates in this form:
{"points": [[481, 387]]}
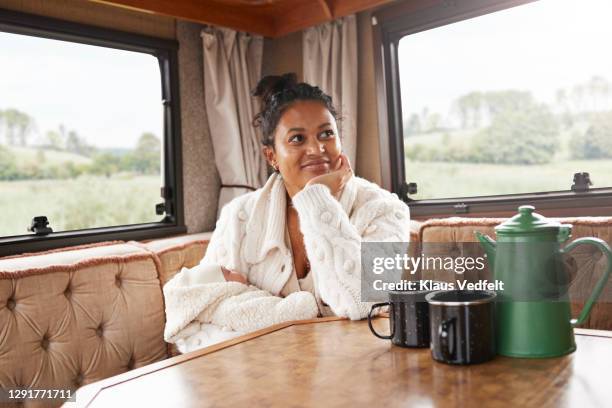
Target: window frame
{"points": [[392, 23], [166, 52]]}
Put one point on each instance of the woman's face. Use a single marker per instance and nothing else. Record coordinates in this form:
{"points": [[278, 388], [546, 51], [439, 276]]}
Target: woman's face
{"points": [[306, 144]]}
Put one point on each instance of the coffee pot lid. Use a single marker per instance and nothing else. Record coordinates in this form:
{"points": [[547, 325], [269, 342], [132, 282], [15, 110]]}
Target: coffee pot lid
{"points": [[527, 221]]}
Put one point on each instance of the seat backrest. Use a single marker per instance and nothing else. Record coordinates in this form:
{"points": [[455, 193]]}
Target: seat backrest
{"points": [[75, 316]]}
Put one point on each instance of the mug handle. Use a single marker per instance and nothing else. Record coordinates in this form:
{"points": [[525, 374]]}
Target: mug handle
{"points": [[603, 247], [443, 334], [376, 306]]}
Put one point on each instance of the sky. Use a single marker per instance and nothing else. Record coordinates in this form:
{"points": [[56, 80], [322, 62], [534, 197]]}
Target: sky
{"points": [[540, 46], [109, 96]]}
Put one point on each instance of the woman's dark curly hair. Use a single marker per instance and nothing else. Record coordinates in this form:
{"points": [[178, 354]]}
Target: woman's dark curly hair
{"points": [[276, 94]]}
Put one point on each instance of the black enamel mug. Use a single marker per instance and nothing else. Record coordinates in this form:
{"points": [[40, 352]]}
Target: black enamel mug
{"points": [[462, 324], [408, 318]]}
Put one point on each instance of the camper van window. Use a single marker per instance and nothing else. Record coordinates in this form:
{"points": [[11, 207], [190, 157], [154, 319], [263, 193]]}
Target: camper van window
{"points": [[491, 111], [87, 138]]}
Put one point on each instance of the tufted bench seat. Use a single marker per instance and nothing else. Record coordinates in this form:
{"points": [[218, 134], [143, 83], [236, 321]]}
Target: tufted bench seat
{"points": [[77, 315]]}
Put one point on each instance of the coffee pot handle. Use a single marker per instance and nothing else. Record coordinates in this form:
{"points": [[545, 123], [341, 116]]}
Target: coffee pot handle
{"points": [[376, 306], [603, 247]]}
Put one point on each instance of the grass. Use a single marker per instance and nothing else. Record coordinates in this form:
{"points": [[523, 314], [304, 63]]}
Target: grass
{"points": [[84, 202], [455, 179], [447, 180]]}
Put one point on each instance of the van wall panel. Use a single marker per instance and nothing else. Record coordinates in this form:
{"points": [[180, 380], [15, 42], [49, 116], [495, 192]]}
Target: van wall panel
{"points": [[368, 152], [283, 54], [200, 177]]}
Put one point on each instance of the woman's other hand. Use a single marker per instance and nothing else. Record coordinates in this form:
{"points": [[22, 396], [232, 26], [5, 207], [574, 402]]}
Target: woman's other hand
{"points": [[233, 276], [337, 179]]}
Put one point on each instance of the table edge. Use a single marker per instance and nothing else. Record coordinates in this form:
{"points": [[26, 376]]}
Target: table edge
{"points": [[593, 332]]}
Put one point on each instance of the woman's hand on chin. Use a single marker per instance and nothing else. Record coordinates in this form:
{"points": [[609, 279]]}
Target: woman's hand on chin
{"points": [[233, 276], [336, 179]]}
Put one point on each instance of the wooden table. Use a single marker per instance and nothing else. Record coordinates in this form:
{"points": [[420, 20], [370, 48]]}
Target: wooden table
{"points": [[337, 363]]}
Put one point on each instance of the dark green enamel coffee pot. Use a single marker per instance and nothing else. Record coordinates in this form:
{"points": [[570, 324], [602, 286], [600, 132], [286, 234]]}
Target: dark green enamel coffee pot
{"points": [[533, 315]]}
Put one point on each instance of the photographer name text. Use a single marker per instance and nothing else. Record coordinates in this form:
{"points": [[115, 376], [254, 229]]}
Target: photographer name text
{"points": [[425, 284]]}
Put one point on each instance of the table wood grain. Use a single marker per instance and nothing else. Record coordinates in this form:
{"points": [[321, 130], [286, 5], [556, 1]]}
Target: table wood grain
{"points": [[335, 363]]}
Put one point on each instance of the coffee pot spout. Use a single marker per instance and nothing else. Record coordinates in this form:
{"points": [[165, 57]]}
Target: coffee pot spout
{"points": [[489, 246]]}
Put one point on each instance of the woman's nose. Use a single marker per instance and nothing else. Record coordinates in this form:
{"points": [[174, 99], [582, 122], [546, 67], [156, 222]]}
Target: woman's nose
{"points": [[315, 146]]}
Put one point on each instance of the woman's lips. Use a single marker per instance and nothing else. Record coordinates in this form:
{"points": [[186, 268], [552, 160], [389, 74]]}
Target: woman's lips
{"points": [[317, 167]]}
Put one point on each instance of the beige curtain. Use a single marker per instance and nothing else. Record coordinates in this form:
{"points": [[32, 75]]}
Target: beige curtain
{"points": [[330, 62], [232, 67]]}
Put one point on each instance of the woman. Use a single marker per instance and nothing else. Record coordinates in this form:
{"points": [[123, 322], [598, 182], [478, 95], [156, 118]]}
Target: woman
{"points": [[303, 229]]}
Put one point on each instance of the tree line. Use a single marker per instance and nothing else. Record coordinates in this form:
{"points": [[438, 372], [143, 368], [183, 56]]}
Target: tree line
{"points": [[477, 109], [17, 128], [512, 127]]}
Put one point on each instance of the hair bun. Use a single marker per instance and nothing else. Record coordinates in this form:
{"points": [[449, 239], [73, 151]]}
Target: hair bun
{"points": [[271, 85]]}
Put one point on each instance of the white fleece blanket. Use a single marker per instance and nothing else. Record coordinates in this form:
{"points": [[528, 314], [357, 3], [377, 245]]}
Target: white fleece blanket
{"points": [[200, 313]]}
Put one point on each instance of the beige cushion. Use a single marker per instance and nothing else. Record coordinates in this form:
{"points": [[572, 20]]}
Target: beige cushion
{"points": [[178, 252], [77, 316]]}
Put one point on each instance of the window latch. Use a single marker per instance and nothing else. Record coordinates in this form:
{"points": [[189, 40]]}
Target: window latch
{"points": [[406, 189], [165, 192], [39, 226], [165, 207], [461, 208], [582, 182]]}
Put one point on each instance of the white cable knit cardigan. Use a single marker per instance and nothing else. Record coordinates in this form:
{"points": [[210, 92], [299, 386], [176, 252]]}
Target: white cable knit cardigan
{"points": [[250, 237]]}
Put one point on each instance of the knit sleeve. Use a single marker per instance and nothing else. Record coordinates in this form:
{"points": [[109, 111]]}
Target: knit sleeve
{"points": [[224, 246], [333, 243]]}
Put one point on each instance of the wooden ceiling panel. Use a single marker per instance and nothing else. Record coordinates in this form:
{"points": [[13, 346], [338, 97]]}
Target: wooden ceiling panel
{"points": [[299, 15], [271, 18], [206, 12], [342, 8]]}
